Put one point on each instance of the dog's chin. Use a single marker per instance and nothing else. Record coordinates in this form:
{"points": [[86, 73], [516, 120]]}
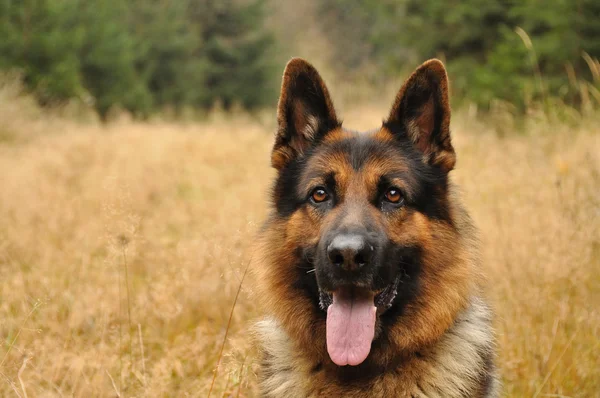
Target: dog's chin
{"points": [[352, 313]]}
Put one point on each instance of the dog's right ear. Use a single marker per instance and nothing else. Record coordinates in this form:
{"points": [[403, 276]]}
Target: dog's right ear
{"points": [[305, 113]]}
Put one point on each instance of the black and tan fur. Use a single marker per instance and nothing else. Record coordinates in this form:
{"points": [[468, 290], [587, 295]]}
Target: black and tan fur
{"points": [[435, 339]]}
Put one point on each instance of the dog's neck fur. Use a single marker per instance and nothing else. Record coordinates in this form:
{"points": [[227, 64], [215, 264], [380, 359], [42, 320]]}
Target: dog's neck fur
{"points": [[459, 364]]}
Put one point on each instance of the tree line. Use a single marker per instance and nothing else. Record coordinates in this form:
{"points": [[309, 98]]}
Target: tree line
{"points": [[148, 55], [516, 51], [139, 55]]}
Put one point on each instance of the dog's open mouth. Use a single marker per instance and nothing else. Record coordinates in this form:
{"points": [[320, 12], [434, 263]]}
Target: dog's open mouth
{"points": [[351, 317]]}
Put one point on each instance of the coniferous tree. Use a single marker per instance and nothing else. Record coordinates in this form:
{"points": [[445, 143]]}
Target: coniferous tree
{"points": [[167, 46], [42, 39], [107, 59], [139, 55], [236, 49]]}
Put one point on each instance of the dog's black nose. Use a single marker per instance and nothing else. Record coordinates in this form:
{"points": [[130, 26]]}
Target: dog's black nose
{"points": [[349, 251]]}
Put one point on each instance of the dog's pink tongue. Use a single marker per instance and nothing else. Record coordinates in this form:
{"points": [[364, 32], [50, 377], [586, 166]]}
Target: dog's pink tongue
{"points": [[350, 327]]}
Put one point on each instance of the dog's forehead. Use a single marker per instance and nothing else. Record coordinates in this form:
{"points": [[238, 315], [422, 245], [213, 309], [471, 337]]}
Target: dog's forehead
{"points": [[345, 153]]}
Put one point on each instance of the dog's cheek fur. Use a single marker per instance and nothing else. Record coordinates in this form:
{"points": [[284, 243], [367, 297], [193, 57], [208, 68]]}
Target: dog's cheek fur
{"points": [[442, 281], [286, 288]]}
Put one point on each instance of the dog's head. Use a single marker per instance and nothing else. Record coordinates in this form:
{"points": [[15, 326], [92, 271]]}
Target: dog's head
{"points": [[363, 225]]}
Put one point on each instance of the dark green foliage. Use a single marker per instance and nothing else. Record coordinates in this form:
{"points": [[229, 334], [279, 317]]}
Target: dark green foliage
{"points": [[167, 46], [588, 26], [149, 55], [234, 47], [107, 59], [139, 55], [486, 56], [35, 40]]}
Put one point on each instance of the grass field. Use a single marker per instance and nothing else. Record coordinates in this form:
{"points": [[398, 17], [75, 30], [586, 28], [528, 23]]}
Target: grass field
{"points": [[122, 248]]}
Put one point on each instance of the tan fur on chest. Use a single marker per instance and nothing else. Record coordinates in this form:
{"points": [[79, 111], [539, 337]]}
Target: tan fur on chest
{"points": [[458, 365]]}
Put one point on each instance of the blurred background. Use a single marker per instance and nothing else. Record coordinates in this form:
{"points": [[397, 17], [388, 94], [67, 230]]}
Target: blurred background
{"points": [[135, 144], [153, 56]]}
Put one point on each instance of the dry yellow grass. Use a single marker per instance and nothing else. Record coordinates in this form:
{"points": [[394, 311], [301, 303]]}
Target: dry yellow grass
{"points": [[122, 248]]}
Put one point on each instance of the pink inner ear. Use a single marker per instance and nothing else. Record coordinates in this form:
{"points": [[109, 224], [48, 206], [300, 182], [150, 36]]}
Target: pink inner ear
{"points": [[425, 124]]}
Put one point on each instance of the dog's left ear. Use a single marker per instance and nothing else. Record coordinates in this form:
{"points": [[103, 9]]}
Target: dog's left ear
{"points": [[421, 112], [305, 113]]}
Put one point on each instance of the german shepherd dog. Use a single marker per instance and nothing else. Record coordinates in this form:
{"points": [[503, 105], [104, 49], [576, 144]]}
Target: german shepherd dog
{"points": [[368, 264]]}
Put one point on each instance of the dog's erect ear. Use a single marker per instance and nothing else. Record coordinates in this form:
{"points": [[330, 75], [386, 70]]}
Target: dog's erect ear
{"points": [[304, 114], [421, 112]]}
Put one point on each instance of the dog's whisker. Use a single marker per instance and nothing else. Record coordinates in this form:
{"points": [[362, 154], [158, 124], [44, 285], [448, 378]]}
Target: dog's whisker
{"points": [[310, 270]]}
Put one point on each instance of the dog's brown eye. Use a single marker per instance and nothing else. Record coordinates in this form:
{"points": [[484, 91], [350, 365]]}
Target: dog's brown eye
{"points": [[393, 195], [319, 195]]}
